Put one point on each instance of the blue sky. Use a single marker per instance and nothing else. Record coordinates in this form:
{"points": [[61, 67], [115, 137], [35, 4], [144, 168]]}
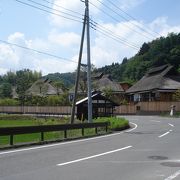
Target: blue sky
{"points": [[35, 29]]}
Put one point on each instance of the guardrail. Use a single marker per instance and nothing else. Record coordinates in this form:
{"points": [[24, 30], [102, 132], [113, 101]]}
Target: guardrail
{"points": [[11, 131]]}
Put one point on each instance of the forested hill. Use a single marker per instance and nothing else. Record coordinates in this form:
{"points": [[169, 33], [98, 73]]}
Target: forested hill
{"points": [[67, 78], [158, 52]]}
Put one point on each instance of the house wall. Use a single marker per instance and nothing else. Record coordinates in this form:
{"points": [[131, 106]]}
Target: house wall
{"points": [[166, 96], [145, 97]]}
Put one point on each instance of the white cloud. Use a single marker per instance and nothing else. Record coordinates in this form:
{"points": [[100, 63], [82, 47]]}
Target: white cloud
{"points": [[106, 50], [130, 4], [77, 6], [54, 65], [66, 39], [8, 57], [161, 25], [15, 58]]}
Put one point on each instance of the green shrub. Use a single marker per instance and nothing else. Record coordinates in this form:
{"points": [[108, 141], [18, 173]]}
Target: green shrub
{"points": [[115, 123], [9, 102]]}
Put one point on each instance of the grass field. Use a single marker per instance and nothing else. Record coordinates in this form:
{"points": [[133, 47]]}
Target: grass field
{"points": [[20, 120]]}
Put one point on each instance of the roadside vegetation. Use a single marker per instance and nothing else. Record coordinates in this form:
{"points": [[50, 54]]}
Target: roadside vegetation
{"points": [[115, 123], [23, 120]]}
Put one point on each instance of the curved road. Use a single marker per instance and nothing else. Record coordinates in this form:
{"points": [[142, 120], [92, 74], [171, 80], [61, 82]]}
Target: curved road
{"points": [[148, 151]]}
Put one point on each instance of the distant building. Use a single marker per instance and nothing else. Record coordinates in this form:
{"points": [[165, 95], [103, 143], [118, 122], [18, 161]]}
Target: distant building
{"points": [[111, 88], [158, 84], [103, 83], [43, 87], [14, 94]]}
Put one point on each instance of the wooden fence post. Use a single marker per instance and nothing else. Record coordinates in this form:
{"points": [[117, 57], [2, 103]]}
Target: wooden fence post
{"points": [[82, 131], [96, 130], [65, 134], [42, 136], [11, 139]]}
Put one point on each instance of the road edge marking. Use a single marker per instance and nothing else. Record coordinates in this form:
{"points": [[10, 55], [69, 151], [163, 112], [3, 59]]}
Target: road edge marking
{"points": [[171, 124], [164, 134], [93, 156], [135, 126], [173, 176]]}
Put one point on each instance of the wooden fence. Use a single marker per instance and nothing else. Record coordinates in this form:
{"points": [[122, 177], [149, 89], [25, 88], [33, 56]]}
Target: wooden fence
{"points": [[11, 131], [138, 108], [147, 108], [55, 110]]}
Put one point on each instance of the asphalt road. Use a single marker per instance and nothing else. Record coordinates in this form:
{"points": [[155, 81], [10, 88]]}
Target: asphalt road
{"points": [[148, 151]]}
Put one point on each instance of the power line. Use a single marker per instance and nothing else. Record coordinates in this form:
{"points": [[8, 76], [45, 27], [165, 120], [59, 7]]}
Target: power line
{"points": [[125, 18], [62, 7], [115, 38], [74, 16], [37, 51], [48, 11], [130, 16], [115, 19], [111, 33]]}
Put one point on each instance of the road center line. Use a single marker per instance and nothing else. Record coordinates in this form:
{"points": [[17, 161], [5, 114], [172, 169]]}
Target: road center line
{"points": [[173, 176], [94, 156], [165, 134], [155, 121], [171, 124], [65, 143]]}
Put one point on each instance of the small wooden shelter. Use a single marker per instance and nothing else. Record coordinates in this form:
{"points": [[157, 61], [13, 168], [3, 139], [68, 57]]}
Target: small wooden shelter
{"points": [[101, 106]]}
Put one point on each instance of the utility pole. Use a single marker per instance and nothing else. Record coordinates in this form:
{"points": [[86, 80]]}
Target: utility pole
{"points": [[85, 24], [78, 70], [88, 65]]}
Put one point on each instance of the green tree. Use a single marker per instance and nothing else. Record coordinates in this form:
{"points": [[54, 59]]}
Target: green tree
{"points": [[6, 90], [144, 49]]}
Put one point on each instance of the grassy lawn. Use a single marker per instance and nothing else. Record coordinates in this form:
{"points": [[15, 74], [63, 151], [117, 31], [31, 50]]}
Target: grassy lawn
{"points": [[20, 120]]}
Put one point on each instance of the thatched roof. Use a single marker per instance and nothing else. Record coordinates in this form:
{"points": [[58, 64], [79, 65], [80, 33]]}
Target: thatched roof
{"points": [[106, 82], [157, 78], [101, 82], [14, 93], [43, 87]]}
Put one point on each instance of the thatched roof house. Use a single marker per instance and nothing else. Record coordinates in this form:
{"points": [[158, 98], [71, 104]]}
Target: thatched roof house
{"points": [[43, 87], [158, 84], [103, 82]]}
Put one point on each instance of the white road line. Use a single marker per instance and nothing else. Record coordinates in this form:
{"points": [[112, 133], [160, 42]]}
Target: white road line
{"points": [[94, 156], [171, 124], [155, 121], [173, 176], [164, 134], [135, 126], [69, 142]]}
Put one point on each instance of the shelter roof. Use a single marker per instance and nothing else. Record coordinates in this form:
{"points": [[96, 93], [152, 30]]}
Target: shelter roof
{"points": [[97, 96]]}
